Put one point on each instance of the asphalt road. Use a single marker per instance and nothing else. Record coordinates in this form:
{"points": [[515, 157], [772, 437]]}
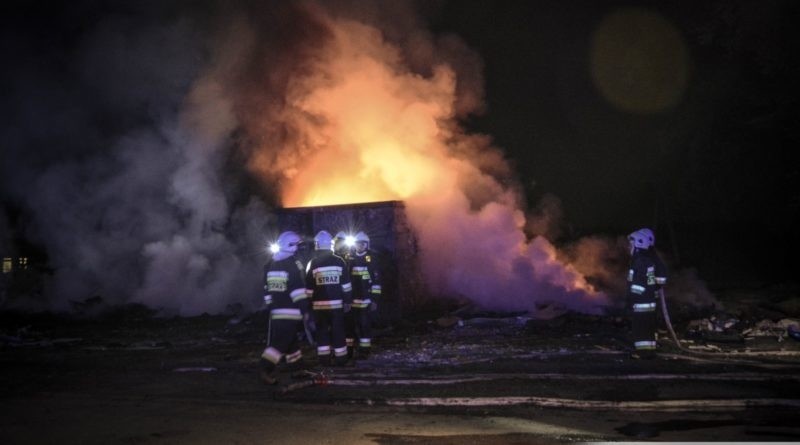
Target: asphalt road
{"points": [[144, 380]]}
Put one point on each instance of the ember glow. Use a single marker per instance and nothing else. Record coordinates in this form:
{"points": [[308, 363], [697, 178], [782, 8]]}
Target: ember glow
{"points": [[371, 129]]}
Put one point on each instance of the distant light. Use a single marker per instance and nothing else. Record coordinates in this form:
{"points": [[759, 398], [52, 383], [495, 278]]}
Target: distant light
{"points": [[274, 248], [349, 241]]}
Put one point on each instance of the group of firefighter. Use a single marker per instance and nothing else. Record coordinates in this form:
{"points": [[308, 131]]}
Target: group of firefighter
{"points": [[330, 299]]}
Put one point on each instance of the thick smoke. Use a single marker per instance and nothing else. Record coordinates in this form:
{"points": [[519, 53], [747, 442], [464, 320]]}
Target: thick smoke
{"points": [[121, 158], [149, 157], [370, 117]]}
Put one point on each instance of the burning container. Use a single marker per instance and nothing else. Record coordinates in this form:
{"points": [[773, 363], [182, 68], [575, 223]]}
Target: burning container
{"points": [[391, 237]]}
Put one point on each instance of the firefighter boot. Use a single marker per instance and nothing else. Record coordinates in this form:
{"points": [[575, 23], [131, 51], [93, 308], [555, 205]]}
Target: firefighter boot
{"points": [[268, 373], [341, 360]]}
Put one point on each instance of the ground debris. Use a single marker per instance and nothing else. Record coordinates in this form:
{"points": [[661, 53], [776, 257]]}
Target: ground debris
{"points": [[724, 328], [768, 328], [721, 327]]}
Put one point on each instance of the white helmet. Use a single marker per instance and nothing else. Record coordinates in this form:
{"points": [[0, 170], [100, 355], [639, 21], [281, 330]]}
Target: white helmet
{"points": [[641, 239], [339, 239], [323, 240], [361, 237], [649, 234], [287, 242]]}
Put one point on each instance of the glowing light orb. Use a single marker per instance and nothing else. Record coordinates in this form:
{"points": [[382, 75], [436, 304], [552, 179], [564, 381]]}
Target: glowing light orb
{"points": [[639, 61]]}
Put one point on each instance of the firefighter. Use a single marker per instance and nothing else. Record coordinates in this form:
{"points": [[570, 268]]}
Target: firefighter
{"points": [[328, 286], [642, 293], [342, 249], [288, 304], [366, 290]]}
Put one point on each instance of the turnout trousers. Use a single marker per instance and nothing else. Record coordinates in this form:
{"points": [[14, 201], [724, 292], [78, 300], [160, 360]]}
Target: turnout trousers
{"points": [[284, 325], [362, 323], [358, 323], [643, 323], [330, 336]]}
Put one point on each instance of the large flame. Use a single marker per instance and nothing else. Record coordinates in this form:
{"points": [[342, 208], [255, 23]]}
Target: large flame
{"points": [[374, 127], [367, 128]]}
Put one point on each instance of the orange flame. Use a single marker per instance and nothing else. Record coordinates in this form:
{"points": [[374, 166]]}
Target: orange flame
{"points": [[374, 127], [369, 129]]}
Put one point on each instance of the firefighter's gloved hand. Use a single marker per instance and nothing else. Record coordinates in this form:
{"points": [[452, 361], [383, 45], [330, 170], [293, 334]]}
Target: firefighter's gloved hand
{"points": [[347, 307], [373, 306]]}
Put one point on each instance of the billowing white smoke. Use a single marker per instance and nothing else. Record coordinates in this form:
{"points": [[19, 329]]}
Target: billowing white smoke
{"points": [[126, 187], [367, 127], [142, 188]]}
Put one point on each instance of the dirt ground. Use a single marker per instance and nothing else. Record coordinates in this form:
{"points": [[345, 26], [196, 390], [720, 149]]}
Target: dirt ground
{"points": [[127, 376]]}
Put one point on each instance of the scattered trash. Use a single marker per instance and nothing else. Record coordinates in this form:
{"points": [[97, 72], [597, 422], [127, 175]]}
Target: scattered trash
{"points": [[715, 323], [721, 328], [768, 328]]}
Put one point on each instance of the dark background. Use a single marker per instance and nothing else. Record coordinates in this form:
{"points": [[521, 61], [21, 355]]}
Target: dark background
{"points": [[716, 175]]}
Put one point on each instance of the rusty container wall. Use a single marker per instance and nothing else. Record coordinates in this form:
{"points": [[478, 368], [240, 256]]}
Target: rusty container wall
{"points": [[391, 237]]}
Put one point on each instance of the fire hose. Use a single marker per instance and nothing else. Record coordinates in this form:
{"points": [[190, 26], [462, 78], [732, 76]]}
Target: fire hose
{"points": [[665, 311]]}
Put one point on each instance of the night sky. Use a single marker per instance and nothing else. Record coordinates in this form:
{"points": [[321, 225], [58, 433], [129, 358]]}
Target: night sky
{"points": [[717, 170], [723, 152], [697, 138]]}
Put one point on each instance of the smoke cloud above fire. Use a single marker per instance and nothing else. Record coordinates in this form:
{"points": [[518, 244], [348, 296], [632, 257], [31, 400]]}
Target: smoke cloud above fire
{"points": [[369, 128], [179, 130]]}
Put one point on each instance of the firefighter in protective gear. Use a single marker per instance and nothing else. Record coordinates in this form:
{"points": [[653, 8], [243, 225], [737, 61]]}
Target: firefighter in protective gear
{"points": [[328, 286], [643, 285], [342, 249], [286, 299], [366, 291]]}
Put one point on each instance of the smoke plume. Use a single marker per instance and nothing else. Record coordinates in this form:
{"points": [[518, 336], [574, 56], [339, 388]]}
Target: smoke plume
{"points": [[149, 159], [364, 126]]}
